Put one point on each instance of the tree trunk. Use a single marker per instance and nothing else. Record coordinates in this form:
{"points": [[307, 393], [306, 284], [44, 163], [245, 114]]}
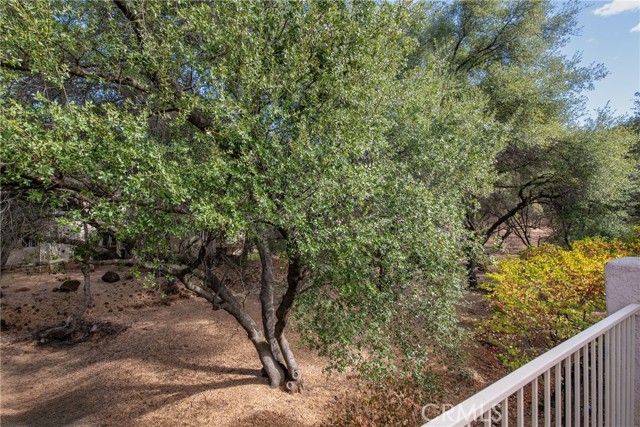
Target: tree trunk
{"points": [[71, 324], [266, 299], [472, 272], [275, 321], [232, 306], [59, 332], [272, 368], [270, 343], [5, 252], [295, 275], [221, 297]]}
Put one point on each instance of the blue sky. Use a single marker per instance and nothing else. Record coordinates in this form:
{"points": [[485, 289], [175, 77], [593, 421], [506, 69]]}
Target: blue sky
{"points": [[611, 36]]}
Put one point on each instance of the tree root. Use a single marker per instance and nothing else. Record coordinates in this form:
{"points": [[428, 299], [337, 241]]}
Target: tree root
{"points": [[294, 386], [83, 331], [60, 332]]}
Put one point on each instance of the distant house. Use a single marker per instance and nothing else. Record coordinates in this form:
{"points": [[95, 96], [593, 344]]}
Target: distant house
{"points": [[43, 250], [36, 253]]}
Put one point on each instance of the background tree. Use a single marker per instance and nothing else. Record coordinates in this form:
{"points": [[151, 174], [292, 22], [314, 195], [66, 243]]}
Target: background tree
{"points": [[511, 52], [593, 185], [21, 218], [633, 125]]}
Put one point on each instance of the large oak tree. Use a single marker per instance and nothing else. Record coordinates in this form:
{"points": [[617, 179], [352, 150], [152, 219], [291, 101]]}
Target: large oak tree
{"points": [[296, 124]]}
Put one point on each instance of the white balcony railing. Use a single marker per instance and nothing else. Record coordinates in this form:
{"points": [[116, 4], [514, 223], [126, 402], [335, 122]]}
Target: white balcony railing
{"points": [[588, 380]]}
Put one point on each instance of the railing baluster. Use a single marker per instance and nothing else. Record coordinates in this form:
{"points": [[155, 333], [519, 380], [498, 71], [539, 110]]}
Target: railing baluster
{"points": [[632, 371], [576, 389], [521, 407], [623, 375], [621, 362], [505, 412], [601, 381], [534, 402], [585, 385], [594, 395], [567, 391], [618, 375], [629, 369], [547, 398], [609, 354], [630, 362], [633, 345], [558, 375]]}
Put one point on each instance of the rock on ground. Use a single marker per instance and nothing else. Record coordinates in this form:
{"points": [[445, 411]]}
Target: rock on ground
{"points": [[110, 277]]}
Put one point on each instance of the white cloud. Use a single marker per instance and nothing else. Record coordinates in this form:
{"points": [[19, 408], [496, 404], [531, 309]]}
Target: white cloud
{"points": [[635, 29], [617, 6]]}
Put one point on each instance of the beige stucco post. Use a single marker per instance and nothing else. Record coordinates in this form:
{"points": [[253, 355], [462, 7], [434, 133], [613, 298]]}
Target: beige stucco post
{"points": [[622, 278]]}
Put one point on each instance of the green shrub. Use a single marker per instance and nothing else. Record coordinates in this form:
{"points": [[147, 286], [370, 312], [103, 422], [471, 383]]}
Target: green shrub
{"points": [[547, 295]]}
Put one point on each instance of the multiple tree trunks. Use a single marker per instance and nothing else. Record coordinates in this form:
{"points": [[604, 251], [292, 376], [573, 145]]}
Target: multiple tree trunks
{"points": [[274, 321], [277, 358]]}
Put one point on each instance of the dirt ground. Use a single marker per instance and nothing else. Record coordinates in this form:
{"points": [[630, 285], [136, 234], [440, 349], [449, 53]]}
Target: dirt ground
{"points": [[180, 364], [172, 361]]}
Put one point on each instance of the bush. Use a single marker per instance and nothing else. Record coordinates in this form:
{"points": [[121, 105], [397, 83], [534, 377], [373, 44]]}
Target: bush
{"points": [[547, 295]]}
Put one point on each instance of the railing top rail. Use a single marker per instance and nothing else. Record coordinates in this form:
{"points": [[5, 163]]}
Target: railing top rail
{"points": [[478, 404]]}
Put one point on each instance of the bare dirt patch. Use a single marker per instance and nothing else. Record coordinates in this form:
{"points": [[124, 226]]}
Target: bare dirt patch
{"points": [[145, 357], [173, 362]]}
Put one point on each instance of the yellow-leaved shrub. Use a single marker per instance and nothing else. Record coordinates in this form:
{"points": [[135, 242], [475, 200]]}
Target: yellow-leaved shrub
{"points": [[548, 294]]}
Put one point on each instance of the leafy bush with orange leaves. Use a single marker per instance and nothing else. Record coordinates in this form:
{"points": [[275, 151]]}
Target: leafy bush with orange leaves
{"points": [[547, 295]]}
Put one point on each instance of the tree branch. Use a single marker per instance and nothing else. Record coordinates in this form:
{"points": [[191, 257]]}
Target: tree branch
{"points": [[134, 18]]}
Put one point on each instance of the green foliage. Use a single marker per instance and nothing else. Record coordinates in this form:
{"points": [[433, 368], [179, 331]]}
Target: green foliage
{"points": [[593, 183], [578, 174], [547, 295], [633, 126], [300, 118], [347, 130]]}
